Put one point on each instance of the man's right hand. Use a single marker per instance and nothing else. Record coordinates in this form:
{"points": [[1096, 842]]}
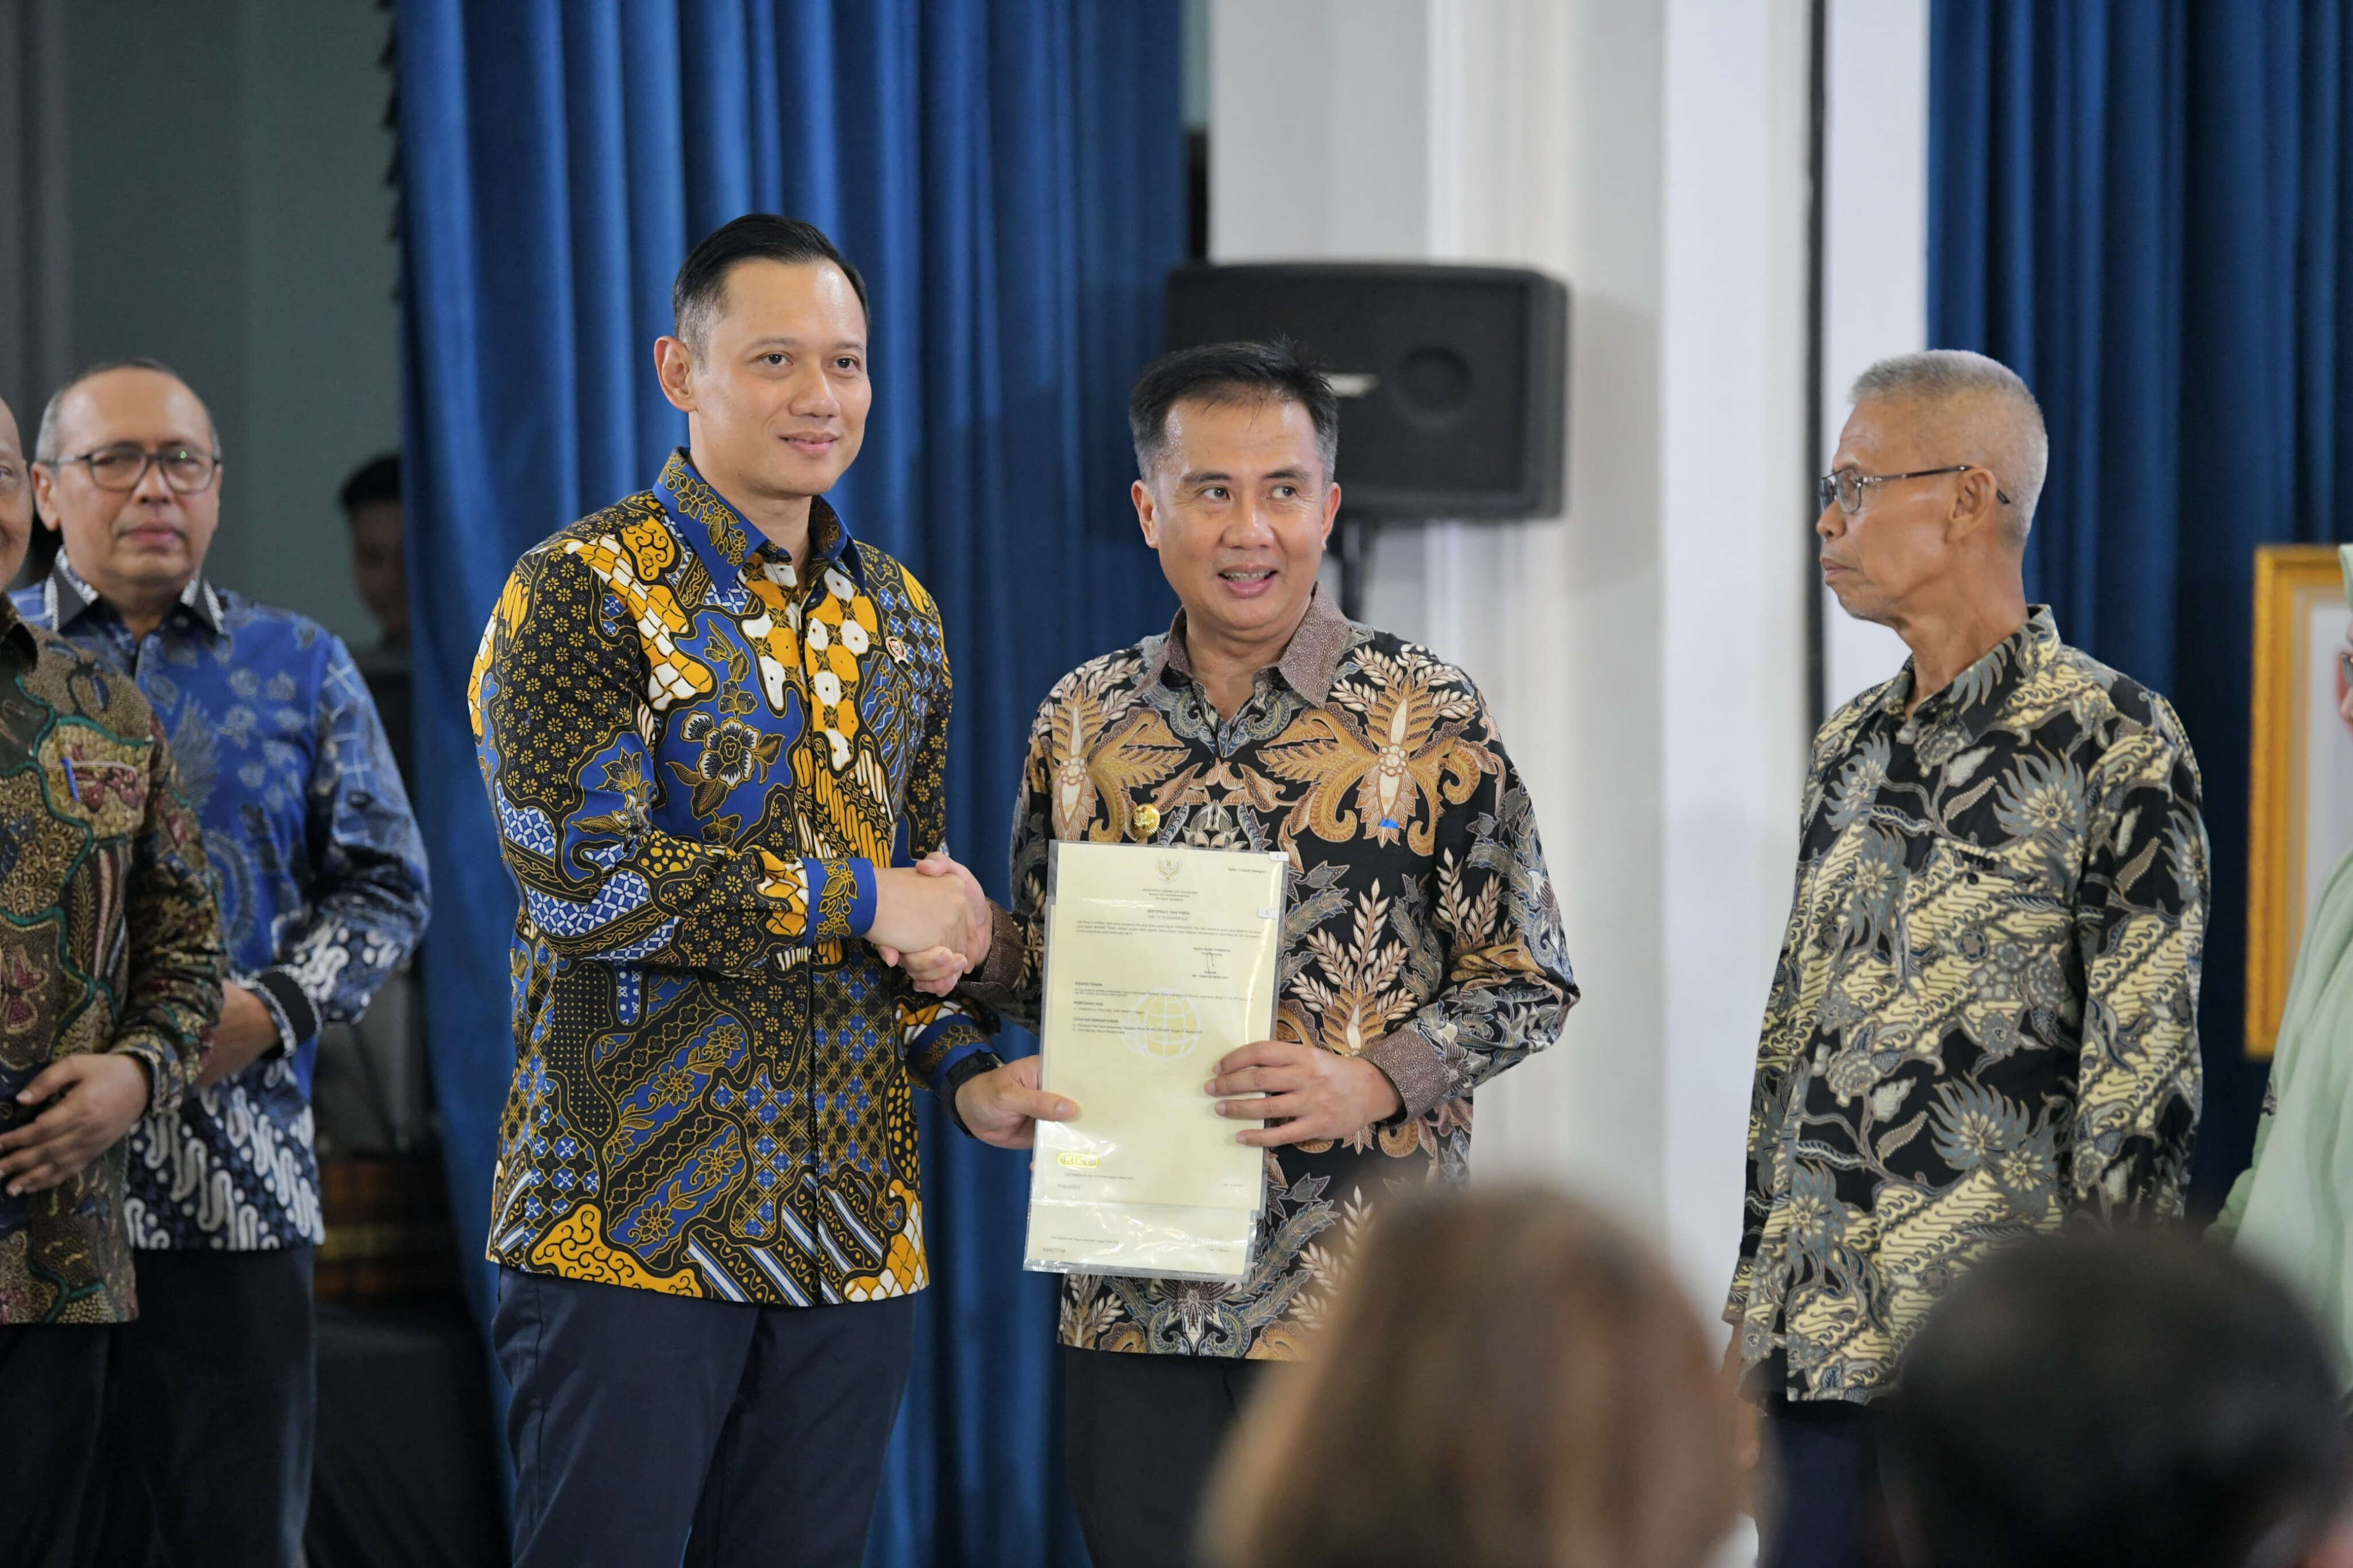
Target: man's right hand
{"points": [[914, 913], [245, 1033]]}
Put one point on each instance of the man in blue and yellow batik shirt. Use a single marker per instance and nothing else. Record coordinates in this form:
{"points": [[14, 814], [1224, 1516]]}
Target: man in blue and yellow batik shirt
{"points": [[715, 731], [322, 893]]}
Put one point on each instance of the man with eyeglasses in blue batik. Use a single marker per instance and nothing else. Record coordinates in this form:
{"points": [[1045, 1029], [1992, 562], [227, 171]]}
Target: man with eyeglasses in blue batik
{"points": [[1984, 1021], [322, 893]]}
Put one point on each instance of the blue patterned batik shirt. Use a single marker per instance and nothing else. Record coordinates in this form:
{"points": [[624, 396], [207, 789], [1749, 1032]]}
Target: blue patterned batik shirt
{"points": [[700, 751], [321, 875]]}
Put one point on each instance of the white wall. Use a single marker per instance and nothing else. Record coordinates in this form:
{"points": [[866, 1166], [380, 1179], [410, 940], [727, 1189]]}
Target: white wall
{"points": [[205, 183], [1874, 254], [1644, 653], [322, 268]]}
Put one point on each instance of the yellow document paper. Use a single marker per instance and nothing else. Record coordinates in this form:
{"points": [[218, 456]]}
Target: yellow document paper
{"points": [[1159, 961]]}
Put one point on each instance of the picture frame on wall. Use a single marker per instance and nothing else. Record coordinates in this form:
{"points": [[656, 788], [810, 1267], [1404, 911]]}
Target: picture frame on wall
{"points": [[2301, 768]]}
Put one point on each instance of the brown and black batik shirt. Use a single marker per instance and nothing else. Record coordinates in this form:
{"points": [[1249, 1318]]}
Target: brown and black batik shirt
{"points": [[1984, 1019], [1421, 931]]}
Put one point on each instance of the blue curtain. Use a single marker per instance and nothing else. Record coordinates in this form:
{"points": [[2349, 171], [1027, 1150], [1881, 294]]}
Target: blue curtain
{"points": [[1010, 176], [2146, 208]]}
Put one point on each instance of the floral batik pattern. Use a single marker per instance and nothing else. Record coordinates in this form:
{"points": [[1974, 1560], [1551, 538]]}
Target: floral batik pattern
{"points": [[1421, 931], [321, 872], [111, 942], [1984, 1016], [699, 753]]}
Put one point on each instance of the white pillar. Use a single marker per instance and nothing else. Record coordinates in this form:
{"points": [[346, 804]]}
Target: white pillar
{"points": [[1874, 254], [1644, 653], [1738, 564]]}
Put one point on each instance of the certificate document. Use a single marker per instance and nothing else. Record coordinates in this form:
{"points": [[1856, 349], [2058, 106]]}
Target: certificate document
{"points": [[1159, 961]]}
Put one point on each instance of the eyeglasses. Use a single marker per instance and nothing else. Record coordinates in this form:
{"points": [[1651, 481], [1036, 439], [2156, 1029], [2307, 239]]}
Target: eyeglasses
{"points": [[1846, 485], [119, 469]]}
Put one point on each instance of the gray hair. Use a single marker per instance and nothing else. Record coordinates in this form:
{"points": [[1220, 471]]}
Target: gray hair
{"points": [[45, 445], [1986, 415]]}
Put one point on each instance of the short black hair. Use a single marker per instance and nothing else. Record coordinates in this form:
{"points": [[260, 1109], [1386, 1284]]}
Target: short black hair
{"points": [[2102, 1400], [702, 284], [1276, 369], [376, 479]]}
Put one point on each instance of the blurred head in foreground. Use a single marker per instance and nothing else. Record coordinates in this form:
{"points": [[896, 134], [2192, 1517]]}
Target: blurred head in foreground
{"points": [[1509, 1380], [2134, 1400]]}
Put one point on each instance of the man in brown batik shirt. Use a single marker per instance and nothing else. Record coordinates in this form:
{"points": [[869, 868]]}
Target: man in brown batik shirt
{"points": [[109, 983], [1423, 950]]}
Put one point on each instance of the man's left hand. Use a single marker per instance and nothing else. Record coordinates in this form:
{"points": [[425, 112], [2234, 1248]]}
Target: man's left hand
{"points": [[1310, 1092], [97, 1095], [246, 1030]]}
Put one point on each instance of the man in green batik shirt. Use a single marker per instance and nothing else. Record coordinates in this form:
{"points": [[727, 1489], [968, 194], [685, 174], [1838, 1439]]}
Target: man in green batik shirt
{"points": [[2293, 1205], [110, 983], [1984, 1017]]}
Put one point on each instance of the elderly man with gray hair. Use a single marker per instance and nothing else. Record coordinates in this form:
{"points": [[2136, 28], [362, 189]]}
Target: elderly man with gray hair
{"points": [[1983, 1022]]}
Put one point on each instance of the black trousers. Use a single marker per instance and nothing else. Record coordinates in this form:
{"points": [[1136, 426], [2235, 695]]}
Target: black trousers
{"points": [[211, 1399], [1138, 1503], [646, 1425], [1829, 1510], [52, 1391]]}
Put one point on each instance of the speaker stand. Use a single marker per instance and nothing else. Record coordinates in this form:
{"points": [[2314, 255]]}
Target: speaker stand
{"points": [[1355, 530]]}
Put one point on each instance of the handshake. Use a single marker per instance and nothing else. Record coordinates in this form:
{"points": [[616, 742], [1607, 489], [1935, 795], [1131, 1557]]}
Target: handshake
{"points": [[933, 921], [930, 920]]}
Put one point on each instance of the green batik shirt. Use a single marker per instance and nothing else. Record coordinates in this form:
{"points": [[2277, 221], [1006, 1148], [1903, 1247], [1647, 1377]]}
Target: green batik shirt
{"points": [[109, 942], [700, 751], [1421, 931], [1984, 1019]]}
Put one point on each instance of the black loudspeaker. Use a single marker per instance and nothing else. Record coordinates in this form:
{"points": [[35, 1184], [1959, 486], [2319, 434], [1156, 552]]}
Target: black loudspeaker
{"points": [[1454, 381]]}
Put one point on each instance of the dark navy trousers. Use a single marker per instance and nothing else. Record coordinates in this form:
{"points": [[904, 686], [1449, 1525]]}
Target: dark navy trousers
{"points": [[52, 1388], [211, 1396], [1830, 1511], [650, 1429], [1139, 1504]]}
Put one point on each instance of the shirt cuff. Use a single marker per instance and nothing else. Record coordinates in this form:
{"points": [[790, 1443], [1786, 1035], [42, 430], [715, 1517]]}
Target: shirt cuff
{"points": [[844, 894], [1000, 971], [957, 1038], [289, 1005], [166, 1081], [1412, 1064], [962, 1067]]}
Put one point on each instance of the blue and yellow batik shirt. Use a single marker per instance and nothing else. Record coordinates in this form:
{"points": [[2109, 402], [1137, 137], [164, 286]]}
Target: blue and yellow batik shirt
{"points": [[699, 750]]}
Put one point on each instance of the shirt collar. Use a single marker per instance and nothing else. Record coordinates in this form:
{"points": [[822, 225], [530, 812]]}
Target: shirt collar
{"points": [[16, 633], [1978, 695], [74, 596], [1310, 662], [716, 531]]}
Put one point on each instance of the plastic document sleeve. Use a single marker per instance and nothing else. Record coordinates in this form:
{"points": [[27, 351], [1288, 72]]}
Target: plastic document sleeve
{"points": [[1159, 961]]}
